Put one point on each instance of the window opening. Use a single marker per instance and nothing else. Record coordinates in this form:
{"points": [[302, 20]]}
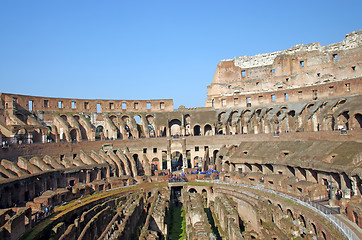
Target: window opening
{"points": [[111, 105], [302, 64], [162, 105], [273, 98], [46, 103], [60, 104], [30, 105], [86, 105], [260, 99], [243, 73], [99, 108], [73, 105], [124, 106], [236, 100], [335, 57], [348, 87], [331, 90], [286, 96], [148, 105], [354, 68], [248, 102]]}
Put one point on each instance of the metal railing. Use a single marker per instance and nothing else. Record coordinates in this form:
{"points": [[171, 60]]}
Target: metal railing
{"points": [[319, 208]]}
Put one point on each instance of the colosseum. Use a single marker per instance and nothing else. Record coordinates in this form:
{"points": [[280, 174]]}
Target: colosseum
{"points": [[274, 154]]}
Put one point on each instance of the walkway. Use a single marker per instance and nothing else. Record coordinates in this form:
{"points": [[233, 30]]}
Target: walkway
{"points": [[349, 229]]}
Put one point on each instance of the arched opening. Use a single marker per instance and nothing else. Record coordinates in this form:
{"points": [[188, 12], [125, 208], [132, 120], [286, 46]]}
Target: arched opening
{"points": [[73, 135], [155, 164], [196, 162], [151, 126], [302, 221], [208, 130], [164, 160], [290, 214], [346, 115], [116, 123], [197, 131], [187, 123], [358, 119], [83, 132], [99, 133], [64, 118], [137, 118], [175, 127], [139, 166], [214, 154], [21, 117], [314, 228], [163, 132], [176, 161], [192, 190], [128, 131], [204, 195], [324, 235]]}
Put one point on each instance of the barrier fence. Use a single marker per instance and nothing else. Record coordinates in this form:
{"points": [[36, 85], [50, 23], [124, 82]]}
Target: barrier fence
{"points": [[324, 211]]}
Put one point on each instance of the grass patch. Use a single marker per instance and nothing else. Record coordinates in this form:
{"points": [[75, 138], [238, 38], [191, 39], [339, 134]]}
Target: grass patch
{"points": [[194, 183]]}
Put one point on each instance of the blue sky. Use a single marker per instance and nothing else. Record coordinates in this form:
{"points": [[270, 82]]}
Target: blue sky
{"points": [[151, 49]]}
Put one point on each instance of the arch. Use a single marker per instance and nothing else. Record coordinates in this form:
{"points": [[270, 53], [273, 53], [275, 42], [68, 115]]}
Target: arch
{"points": [[128, 131], [358, 120], [221, 116], [73, 135], [187, 124], [314, 229], [208, 130], [155, 164], [176, 161], [99, 132], [20, 116], [83, 132], [151, 126], [137, 119], [64, 117], [290, 213], [197, 130], [343, 118], [192, 190], [214, 154], [175, 127], [302, 220], [196, 161]]}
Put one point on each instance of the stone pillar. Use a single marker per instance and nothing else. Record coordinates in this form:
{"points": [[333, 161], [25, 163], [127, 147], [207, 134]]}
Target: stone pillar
{"points": [[108, 174], [99, 174], [88, 176]]}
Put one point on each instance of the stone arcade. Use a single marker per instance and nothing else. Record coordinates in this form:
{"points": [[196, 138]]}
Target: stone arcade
{"points": [[279, 137]]}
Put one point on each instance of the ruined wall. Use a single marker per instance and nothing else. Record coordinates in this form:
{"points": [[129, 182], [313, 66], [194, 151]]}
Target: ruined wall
{"points": [[34, 103], [302, 72]]}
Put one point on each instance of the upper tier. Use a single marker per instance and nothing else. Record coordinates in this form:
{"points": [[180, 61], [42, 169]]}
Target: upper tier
{"points": [[240, 81]]}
